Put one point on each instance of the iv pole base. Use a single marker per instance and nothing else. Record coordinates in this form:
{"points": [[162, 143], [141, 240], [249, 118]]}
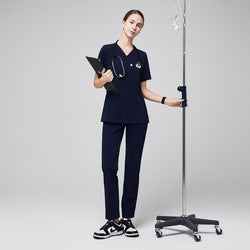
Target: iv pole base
{"points": [[190, 222]]}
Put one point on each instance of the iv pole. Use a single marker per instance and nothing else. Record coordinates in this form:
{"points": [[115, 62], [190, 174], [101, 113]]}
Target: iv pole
{"points": [[184, 116], [190, 221]]}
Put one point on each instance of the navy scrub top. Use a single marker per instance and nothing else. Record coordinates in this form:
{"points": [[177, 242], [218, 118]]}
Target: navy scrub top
{"points": [[129, 106]]}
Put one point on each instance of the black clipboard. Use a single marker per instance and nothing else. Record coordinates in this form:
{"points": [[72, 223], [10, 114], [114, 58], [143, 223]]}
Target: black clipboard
{"points": [[97, 66]]}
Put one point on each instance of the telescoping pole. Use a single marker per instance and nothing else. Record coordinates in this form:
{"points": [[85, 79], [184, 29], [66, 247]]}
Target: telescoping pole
{"points": [[184, 117], [182, 89]]}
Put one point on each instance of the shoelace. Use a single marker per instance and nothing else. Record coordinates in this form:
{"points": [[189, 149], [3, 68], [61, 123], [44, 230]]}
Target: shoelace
{"points": [[105, 226], [128, 223]]}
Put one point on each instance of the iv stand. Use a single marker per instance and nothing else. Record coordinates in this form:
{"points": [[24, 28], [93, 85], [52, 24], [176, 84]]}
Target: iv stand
{"points": [[190, 221]]}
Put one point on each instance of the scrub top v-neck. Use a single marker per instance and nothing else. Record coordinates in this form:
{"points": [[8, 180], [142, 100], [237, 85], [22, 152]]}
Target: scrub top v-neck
{"points": [[129, 106]]}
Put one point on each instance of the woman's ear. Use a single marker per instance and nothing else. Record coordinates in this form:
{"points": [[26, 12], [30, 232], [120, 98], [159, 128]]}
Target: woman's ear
{"points": [[123, 23]]}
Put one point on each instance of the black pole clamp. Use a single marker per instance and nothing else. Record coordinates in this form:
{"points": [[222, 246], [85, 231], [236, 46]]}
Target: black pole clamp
{"points": [[183, 90]]}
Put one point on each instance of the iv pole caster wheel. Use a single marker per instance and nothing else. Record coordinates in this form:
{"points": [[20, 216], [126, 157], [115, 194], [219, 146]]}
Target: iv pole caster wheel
{"points": [[158, 233], [197, 237], [218, 230]]}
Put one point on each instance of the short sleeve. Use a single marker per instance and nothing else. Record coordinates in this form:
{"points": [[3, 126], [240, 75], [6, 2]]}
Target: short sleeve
{"points": [[145, 74], [102, 57]]}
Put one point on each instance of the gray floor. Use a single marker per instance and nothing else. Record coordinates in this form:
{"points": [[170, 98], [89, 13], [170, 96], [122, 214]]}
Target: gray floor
{"points": [[67, 222]]}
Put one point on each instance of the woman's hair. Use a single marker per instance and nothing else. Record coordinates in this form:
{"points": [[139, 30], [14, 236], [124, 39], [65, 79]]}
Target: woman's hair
{"points": [[133, 12]]}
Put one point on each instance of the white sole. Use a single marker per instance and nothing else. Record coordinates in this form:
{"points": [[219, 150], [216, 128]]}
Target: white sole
{"points": [[107, 236], [132, 235]]}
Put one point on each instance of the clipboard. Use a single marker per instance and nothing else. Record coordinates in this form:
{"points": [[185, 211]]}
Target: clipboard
{"points": [[97, 66]]}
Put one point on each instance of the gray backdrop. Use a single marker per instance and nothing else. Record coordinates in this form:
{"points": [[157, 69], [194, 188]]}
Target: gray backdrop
{"points": [[50, 130]]}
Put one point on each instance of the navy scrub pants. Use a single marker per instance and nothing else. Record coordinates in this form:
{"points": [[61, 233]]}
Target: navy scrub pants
{"points": [[111, 140]]}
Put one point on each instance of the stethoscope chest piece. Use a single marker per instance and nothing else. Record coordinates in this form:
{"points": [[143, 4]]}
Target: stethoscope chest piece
{"points": [[138, 65]]}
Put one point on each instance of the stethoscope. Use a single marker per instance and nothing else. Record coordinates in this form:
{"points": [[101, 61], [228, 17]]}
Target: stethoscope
{"points": [[115, 56]]}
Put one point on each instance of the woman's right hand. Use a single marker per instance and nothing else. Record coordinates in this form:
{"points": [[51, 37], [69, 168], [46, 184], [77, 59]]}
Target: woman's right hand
{"points": [[106, 76]]}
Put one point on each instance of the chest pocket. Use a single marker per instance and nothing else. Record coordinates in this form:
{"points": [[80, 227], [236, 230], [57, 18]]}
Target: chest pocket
{"points": [[134, 70]]}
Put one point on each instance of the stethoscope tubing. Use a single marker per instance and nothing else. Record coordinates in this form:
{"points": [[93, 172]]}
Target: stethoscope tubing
{"points": [[138, 65]]}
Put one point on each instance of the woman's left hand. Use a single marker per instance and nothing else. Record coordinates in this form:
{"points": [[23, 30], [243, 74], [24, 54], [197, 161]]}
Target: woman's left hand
{"points": [[175, 102]]}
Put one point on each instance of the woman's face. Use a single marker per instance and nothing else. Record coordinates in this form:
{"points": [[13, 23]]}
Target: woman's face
{"points": [[133, 25]]}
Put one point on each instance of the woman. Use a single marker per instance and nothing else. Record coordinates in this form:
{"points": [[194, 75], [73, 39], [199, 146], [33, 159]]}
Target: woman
{"points": [[128, 68]]}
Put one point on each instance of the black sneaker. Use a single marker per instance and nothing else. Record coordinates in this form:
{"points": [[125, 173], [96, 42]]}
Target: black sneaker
{"points": [[130, 230], [109, 229]]}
